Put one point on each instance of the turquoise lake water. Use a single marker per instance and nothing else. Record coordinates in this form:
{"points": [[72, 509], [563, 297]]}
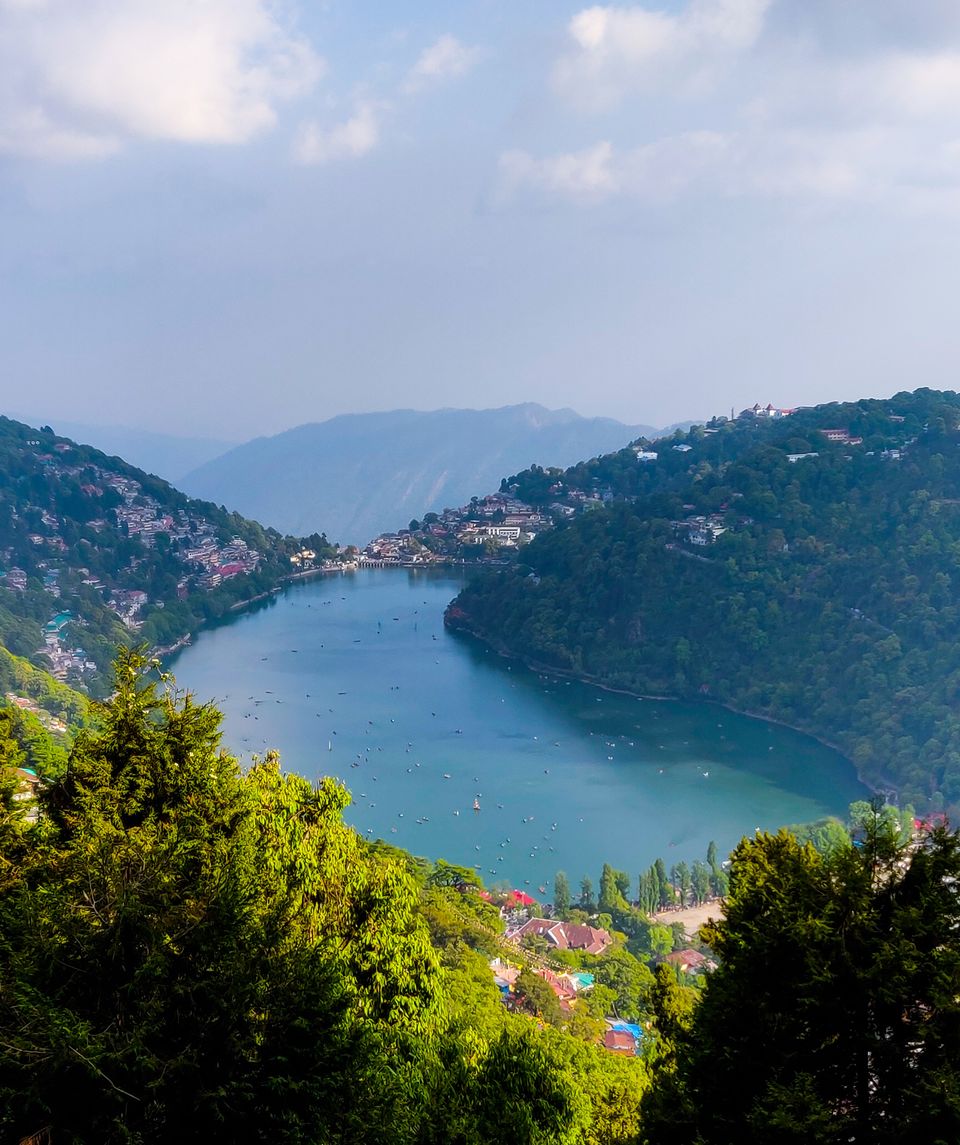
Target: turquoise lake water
{"points": [[353, 675]]}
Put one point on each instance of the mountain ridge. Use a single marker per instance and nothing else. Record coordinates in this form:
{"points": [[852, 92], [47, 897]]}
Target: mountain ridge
{"points": [[166, 455], [363, 473]]}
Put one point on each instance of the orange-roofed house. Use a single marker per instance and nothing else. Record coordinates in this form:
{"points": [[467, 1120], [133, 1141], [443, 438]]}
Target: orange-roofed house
{"points": [[566, 935], [620, 1041]]}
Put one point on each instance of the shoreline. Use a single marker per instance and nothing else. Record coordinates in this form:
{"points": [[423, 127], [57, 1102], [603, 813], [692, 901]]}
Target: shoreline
{"points": [[166, 650], [458, 625]]}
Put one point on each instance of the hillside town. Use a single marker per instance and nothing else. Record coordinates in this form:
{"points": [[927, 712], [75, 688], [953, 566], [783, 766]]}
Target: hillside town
{"points": [[50, 552], [489, 528], [538, 940]]}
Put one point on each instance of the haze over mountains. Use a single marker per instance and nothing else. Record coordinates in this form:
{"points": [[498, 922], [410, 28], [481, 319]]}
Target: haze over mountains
{"points": [[359, 474], [165, 455]]}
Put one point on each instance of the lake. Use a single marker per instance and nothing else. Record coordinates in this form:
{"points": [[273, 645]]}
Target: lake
{"points": [[353, 675]]}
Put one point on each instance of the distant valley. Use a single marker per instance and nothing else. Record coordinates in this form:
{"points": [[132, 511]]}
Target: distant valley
{"points": [[360, 474]]}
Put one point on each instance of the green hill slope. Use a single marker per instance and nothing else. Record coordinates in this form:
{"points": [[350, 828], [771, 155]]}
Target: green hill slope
{"points": [[807, 576], [95, 553]]}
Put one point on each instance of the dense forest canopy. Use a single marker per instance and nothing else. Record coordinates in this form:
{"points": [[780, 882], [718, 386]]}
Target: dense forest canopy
{"points": [[804, 568]]}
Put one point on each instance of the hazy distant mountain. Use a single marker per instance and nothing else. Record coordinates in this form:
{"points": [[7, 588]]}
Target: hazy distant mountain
{"points": [[360, 474], [162, 454]]}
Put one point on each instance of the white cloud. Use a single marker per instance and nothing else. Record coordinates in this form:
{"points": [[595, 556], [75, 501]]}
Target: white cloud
{"points": [[79, 79], [585, 176], [714, 102], [352, 139], [616, 50], [445, 59], [655, 172], [804, 167]]}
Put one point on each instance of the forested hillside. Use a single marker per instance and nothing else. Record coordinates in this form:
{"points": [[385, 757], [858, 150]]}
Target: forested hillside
{"points": [[39, 717], [95, 553], [806, 568]]}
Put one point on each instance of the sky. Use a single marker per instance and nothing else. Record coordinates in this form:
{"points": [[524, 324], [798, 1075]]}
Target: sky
{"points": [[229, 217]]}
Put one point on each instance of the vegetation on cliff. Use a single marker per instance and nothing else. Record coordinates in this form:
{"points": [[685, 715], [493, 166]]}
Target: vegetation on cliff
{"points": [[192, 952]]}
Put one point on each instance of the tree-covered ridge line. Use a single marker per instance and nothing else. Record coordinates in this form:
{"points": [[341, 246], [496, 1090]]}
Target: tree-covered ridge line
{"points": [[768, 567], [95, 553]]}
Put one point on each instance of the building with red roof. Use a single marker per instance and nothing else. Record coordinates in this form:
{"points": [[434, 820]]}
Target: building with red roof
{"points": [[620, 1042], [566, 935]]}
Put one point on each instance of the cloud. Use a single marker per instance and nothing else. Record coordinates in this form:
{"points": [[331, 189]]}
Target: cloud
{"points": [[801, 166], [586, 176], [616, 50], [443, 60], [352, 139], [655, 172], [744, 98], [79, 80]]}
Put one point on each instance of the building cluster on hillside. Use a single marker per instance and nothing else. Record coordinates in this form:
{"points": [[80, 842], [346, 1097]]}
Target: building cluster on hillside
{"points": [[498, 521], [26, 704], [191, 539], [66, 658], [536, 937], [569, 985], [215, 562], [700, 530], [768, 411], [564, 935]]}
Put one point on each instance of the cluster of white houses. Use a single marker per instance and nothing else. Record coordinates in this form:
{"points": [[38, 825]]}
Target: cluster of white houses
{"points": [[497, 521]]}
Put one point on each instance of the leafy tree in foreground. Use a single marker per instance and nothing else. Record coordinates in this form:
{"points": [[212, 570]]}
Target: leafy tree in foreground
{"points": [[193, 953], [190, 953], [834, 1014]]}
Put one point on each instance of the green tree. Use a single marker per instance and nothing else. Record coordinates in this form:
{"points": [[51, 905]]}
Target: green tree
{"points": [[856, 1035], [526, 1095], [648, 893], [700, 881], [587, 902], [611, 898], [712, 862], [660, 941], [630, 980], [190, 952], [664, 889], [561, 894], [538, 998], [680, 877]]}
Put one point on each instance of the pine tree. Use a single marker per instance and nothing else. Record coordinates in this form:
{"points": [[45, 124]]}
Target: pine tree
{"points": [[561, 894], [586, 895]]}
